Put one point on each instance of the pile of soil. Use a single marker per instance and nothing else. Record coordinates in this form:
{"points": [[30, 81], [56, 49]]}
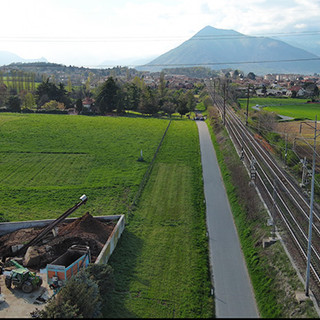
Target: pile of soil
{"points": [[85, 230], [87, 226]]}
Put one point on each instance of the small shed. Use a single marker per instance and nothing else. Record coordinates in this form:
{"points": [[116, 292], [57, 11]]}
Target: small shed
{"points": [[68, 264]]}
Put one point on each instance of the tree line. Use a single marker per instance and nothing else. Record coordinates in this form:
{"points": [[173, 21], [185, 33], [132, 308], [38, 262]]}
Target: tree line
{"points": [[112, 96]]}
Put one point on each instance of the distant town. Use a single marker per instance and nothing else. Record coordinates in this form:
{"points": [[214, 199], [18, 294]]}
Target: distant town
{"points": [[19, 85]]}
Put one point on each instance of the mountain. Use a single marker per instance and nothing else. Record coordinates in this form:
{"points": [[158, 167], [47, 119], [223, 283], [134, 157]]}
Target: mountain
{"points": [[7, 57], [223, 49], [309, 42]]}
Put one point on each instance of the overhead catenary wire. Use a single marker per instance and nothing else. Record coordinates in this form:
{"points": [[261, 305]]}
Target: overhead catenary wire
{"points": [[118, 38]]}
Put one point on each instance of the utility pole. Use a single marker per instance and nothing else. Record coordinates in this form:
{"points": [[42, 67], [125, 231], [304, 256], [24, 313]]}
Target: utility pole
{"points": [[247, 104], [304, 172], [214, 91], [286, 150], [311, 204], [242, 154], [224, 103], [253, 169], [274, 197]]}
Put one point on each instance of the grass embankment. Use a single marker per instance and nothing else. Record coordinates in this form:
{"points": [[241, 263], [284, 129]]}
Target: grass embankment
{"points": [[290, 107], [273, 278], [161, 263], [49, 161]]}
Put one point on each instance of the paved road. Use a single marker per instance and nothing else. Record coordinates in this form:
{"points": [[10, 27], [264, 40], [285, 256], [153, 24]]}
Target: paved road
{"points": [[232, 288]]}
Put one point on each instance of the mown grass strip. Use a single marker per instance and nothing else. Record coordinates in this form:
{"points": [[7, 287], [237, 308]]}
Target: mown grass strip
{"points": [[161, 262]]}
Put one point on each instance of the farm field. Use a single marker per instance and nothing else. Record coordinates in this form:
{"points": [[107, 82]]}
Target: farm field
{"points": [[295, 108], [165, 273], [48, 161], [161, 262]]}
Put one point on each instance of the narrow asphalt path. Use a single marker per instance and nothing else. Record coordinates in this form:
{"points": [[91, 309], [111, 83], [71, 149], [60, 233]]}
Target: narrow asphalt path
{"points": [[234, 296]]}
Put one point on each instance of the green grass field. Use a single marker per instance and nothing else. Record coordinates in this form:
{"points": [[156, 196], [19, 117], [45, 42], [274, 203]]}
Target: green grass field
{"points": [[161, 261], [295, 108], [48, 161], [161, 264]]}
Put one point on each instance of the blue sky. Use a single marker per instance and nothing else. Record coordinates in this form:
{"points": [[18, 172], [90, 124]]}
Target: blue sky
{"points": [[83, 32]]}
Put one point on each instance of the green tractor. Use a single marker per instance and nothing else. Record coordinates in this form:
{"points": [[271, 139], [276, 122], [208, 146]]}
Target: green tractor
{"points": [[22, 278]]}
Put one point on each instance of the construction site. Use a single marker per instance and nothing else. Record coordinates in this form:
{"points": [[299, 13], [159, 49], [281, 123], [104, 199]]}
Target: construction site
{"points": [[38, 257]]}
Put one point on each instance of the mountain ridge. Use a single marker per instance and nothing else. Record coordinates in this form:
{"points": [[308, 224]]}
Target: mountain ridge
{"points": [[7, 57], [223, 49]]}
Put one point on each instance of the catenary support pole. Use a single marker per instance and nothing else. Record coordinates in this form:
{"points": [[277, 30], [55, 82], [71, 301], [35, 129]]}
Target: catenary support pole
{"points": [[311, 210]]}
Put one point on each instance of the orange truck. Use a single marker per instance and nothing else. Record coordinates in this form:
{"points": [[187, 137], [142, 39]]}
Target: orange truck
{"points": [[68, 264]]}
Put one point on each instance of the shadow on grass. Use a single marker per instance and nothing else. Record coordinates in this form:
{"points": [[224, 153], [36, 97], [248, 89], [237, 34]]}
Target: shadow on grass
{"points": [[123, 262]]}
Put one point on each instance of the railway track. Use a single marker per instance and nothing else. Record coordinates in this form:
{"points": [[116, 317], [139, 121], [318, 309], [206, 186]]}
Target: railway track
{"points": [[289, 207]]}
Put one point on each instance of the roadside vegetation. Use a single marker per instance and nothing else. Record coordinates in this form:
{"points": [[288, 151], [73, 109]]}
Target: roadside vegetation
{"points": [[273, 278]]}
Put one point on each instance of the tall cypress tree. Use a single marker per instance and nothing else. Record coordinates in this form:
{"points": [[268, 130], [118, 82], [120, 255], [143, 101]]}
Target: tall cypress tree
{"points": [[108, 97]]}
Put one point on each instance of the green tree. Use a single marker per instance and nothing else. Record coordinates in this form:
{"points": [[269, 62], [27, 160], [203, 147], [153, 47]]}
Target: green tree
{"points": [[103, 276], [14, 103], [21, 79], [69, 86], [79, 105], [88, 81], [139, 82], [32, 81], [108, 97], [169, 108], [53, 105], [29, 101], [79, 298], [132, 96], [83, 294], [191, 101], [162, 89], [149, 101], [47, 91], [251, 76], [207, 101], [57, 308], [3, 94], [183, 105], [264, 90]]}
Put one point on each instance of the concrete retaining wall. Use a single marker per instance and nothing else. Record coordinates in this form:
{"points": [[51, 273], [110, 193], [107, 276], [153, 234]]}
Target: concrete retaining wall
{"points": [[8, 227], [111, 243]]}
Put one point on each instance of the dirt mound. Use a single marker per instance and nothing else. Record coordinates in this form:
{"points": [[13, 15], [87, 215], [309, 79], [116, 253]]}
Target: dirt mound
{"points": [[85, 230], [87, 226]]}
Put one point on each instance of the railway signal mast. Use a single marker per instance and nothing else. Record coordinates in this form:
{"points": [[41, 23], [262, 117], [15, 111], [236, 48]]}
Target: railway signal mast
{"points": [[311, 202]]}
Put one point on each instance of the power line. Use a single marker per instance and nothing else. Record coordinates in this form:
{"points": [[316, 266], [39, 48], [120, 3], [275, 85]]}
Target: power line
{"points": [[37, 38], [229, 62], [214, 63]]}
